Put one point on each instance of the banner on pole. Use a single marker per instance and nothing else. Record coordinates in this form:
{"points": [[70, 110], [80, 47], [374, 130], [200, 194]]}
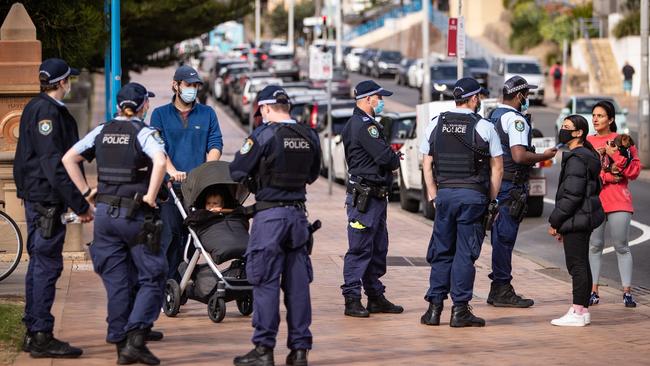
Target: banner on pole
{"points": [[460, 38], [320, 65], [452, 32]]}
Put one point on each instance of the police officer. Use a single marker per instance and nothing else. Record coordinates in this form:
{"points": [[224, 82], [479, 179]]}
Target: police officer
{"points": [[462, 168], [47, 131], [276, 162], [371, 163], [126, 248], [519, 156]]}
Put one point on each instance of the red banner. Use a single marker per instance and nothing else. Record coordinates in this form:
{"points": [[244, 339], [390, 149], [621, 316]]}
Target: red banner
{"points": [[452, 34]]}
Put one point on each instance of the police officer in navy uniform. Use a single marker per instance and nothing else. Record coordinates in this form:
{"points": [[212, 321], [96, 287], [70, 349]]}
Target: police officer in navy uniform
{"points": [[462, 168], [371, 163], [276, 162], [47, 131], [519, 156], [126, 250]]}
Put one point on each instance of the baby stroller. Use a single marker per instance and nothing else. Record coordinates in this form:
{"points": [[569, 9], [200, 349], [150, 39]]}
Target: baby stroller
{"points": [[220, 237]]}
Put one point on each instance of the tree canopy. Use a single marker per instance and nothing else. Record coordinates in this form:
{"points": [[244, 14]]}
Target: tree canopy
{"points": [[280, 18]]}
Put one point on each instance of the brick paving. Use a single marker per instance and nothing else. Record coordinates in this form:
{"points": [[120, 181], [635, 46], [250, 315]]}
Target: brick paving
{"points": [[511, 337]]}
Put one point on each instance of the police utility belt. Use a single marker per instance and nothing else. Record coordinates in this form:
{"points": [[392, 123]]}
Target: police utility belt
{"points": [[265, 205], [361, 191], [518, 177]]}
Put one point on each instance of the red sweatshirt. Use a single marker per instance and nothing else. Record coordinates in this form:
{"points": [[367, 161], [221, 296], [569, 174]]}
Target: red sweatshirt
{"points": [[616, 196]]}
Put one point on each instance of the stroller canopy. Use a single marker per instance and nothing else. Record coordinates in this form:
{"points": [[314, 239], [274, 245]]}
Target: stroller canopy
{"points": [[207, 175]]}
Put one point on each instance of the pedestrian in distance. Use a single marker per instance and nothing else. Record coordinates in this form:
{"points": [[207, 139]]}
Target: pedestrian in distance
{"points": [[462, 167], [192, 136], [47, 131], [277, 161], [126, 249], [628, 74], [371, 163], [576, 214], [515, 132], [557, 72], [620, 165]]}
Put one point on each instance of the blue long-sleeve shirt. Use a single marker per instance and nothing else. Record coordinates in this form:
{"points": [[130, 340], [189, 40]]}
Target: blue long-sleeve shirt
{"points": [[187, 143]]}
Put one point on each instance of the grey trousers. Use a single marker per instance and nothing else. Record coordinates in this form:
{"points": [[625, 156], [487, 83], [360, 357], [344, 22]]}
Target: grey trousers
{"points": [[619, 228]]}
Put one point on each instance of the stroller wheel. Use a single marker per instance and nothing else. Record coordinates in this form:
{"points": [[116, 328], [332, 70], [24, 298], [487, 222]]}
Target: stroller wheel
{"points": [[216, 308], [184, 298], [245, 305], [172, 301]]}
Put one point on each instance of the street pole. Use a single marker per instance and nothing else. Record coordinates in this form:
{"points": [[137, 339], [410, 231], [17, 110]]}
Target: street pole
{"points": [[644, 103], [459, 59], [565, 52], [290, 33], [258, 26], [116, 65], [339, 33], [426, 82], [107, 64], [330, 132]]}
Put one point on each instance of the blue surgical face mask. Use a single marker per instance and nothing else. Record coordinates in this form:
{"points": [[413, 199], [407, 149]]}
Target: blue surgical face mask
{"points": [[188, 94], [524, 105], [379, 107]]}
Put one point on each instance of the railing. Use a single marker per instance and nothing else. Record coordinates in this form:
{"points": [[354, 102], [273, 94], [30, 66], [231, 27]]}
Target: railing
{"points": [[590, 49], [379, 22]]}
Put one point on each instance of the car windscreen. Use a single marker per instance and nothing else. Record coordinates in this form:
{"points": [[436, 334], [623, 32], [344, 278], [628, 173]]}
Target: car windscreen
{"points": [[443, 72], [585, 105], [340, 74], [523, 68], [281, 56], [391, 56], [476, 62]]}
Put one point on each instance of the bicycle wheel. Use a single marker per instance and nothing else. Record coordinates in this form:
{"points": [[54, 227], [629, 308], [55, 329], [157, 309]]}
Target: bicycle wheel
{"points": [[11, 245]]}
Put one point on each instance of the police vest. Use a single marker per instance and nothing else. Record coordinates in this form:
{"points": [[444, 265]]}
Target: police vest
{"points": [[123, 169], [511, 168], [289, 165], [461, 157]]}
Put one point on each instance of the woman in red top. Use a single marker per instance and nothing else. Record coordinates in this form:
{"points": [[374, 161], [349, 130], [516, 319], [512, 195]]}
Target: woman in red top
{"points": [[618, 168]]}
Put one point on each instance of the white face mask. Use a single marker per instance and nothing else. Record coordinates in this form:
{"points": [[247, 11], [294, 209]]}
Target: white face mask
{"points": [[67, 90]]}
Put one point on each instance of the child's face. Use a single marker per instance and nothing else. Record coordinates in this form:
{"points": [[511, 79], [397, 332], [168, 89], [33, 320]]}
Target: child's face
{"points": [[214, 203]]}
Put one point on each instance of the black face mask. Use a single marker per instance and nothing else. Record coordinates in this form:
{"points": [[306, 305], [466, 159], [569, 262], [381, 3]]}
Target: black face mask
{"points": [[565, 136]]}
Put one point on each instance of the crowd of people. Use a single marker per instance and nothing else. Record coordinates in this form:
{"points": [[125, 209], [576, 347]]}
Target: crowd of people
{"points": [[476, 173]]}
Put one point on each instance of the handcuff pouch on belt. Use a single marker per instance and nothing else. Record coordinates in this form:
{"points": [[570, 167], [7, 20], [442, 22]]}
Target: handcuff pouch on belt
{"points": [[518, 204], [47, 220]]}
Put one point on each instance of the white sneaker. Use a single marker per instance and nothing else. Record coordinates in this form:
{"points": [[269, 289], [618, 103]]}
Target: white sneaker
{"points": [[587, 316], [570, 319]]}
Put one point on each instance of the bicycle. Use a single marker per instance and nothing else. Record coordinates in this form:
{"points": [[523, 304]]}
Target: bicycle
{"points": [[11, 244]]}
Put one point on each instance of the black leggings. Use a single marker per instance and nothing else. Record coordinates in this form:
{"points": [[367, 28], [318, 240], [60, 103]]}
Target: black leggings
{"points": [[576, 253]]}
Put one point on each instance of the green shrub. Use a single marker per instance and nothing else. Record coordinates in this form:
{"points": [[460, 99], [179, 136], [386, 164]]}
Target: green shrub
{"points": [[630, 25]]}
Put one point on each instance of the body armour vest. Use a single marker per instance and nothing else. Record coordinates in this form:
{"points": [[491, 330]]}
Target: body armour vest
{"points": [[289, 164], [123, 169], [461, 157], [509, 165]]}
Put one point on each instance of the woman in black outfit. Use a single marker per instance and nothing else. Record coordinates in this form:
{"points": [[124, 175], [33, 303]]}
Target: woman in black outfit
{"points": [[577, 213]]}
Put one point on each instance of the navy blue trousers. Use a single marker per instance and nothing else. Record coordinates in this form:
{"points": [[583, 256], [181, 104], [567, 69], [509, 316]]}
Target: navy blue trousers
{"points": [[174, 237], [504, 235], [365, 260], [133, 275], [277, 258], [44, 268], [455, 244]]}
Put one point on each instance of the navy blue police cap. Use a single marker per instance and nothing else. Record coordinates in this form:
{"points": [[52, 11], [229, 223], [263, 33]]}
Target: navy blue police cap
{"points": [[271, 94], [133, 95], [55, 70], [466, 87], [187, 74], [515, 84], [368, 88]]}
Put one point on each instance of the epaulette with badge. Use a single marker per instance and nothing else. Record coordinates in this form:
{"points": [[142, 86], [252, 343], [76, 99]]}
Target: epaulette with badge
{"points": [[45, 127]]}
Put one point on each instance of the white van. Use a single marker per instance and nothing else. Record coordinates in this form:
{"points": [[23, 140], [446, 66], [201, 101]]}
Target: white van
{"points": [[506, 66]]}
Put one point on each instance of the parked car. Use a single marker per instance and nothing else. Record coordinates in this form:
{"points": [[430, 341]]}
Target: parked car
{"points": [[341, 113], [478, 68], [281, 63], [398, 127], [506, 66], [366, 61], [230, 77], [401, 77], [386, 63], [249, 85], [340, 83], [583, 105], [414, 74], [353, 59], [443, 79], [315, 112], [219, 71]]}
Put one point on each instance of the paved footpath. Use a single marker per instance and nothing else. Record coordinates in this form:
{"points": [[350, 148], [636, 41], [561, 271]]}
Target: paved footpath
{"points": [[511, 337]]}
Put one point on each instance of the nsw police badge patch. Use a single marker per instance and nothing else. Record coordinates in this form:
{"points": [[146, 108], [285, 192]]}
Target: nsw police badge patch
{"points": [[156, 136], [248, 145], [45, 127], [373, 131], [519, 126]]}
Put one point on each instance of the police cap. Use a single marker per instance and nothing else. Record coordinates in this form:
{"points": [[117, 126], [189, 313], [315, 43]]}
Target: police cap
{"points": [[54, 70], [271, 94], [187, 74], [133, 95], [515, 84], [465, 88], [368, 88]]}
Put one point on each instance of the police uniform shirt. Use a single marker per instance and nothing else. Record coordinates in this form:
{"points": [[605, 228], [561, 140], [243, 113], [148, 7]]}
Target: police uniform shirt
{"points": [[258, 145], [484, 128], [149, 139], [515, 126]]}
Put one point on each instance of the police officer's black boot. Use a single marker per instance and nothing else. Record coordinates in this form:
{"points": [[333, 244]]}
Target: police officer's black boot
{"points": [[432, 316], [154, 335], [258, 356], [461, 316], [354, 308], [134, 349], [297, 357], [44, 345], [27, 341], [503, 295], [380, 304]]}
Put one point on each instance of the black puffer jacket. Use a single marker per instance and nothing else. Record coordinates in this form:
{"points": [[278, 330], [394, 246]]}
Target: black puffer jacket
{"points": [[577, 205]]}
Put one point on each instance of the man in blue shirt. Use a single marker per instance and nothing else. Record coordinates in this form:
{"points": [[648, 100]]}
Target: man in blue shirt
{"points": [[192, 136]]}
